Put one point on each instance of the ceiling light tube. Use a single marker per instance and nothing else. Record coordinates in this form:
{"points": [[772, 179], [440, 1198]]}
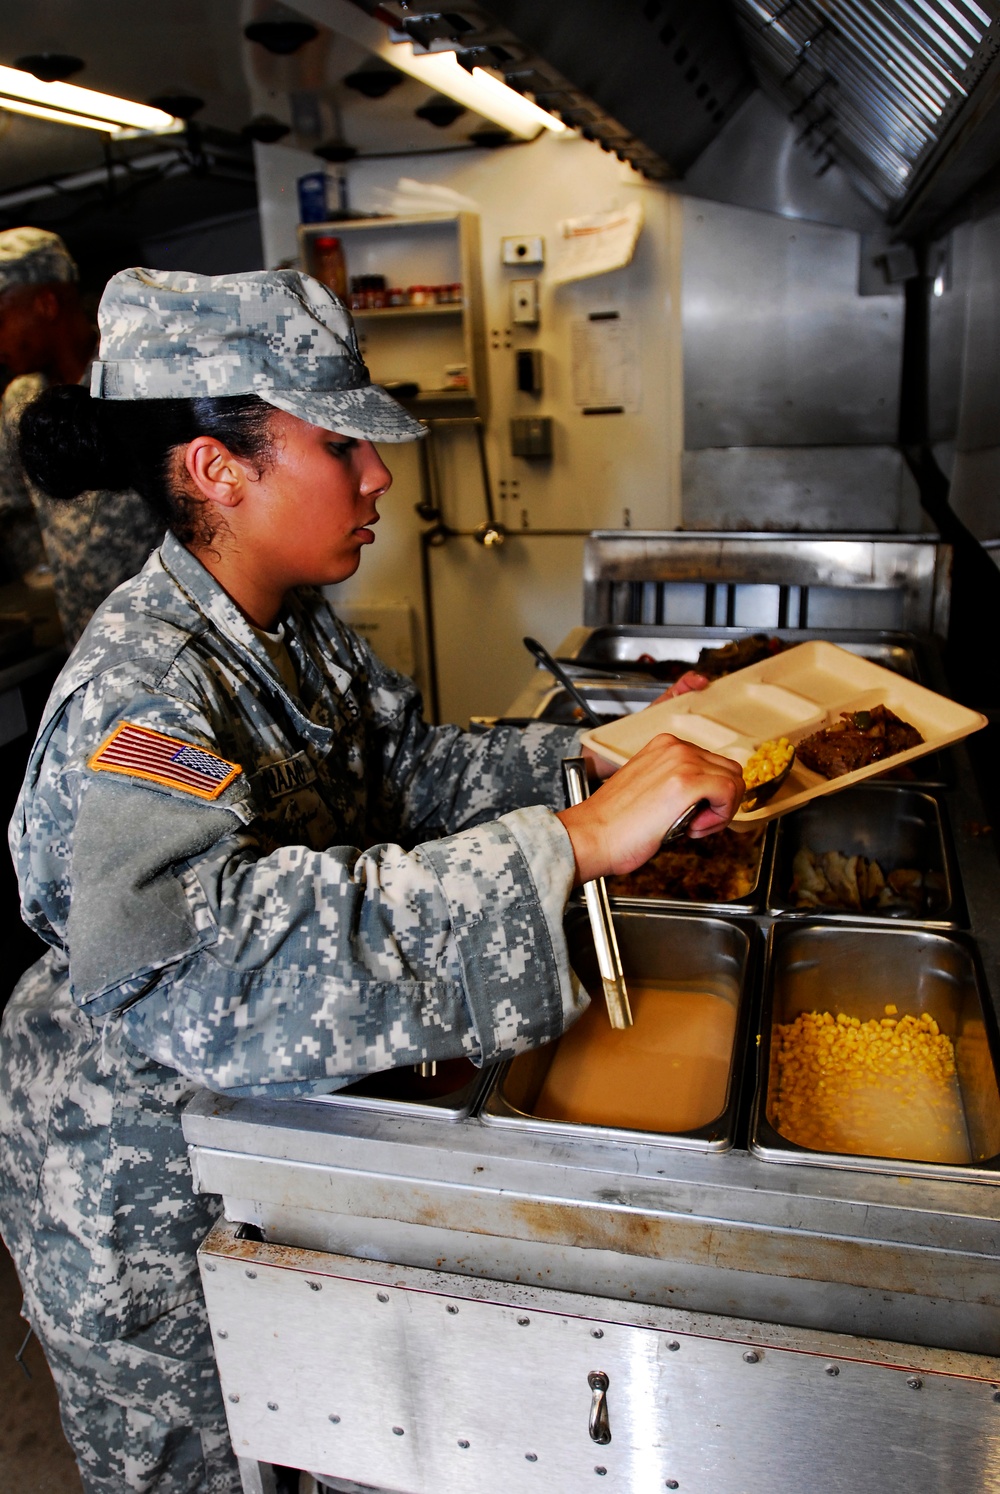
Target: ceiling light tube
{"points": [[478, 91], [80, 106], [56, 116]]}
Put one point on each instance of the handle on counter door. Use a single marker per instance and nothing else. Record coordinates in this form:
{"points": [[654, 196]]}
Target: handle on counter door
{"points": [[609, 960], [599, 1425]]}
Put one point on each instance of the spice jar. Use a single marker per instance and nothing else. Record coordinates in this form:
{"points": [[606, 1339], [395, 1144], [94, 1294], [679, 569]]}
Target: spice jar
{"points": [[330, 266]]}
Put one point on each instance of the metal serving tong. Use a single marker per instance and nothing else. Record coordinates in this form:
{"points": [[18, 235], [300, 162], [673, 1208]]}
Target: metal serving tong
{"points": [[541, 653], [609, 959]]}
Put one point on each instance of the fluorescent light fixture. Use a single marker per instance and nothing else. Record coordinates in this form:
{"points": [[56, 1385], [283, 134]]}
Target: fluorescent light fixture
{"points": [[478, 90], [65, 103], [55, 116]]}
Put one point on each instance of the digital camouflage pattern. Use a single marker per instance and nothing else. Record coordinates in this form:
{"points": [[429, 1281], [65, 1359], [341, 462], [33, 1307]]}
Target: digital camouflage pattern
{"points": [[91, 544], [107, 1390], [279, 334], [249, 944], [33, 256]]}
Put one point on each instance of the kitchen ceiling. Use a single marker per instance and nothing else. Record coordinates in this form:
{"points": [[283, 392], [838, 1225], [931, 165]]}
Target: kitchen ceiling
{"points": [[890, 90]]}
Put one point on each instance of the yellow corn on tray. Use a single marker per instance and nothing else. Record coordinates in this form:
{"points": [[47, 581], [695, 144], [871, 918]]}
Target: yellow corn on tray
{"points": [[791, 695]]}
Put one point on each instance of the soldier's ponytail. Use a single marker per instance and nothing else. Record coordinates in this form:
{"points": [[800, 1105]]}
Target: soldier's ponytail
{"points": [[71, 444]]}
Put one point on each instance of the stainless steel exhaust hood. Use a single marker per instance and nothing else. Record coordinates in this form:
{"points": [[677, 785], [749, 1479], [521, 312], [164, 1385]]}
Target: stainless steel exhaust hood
{"points": [[900, 94], [876, 84]]}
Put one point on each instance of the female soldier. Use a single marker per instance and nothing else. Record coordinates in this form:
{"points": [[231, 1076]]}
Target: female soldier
{"points": [[257, 869]]}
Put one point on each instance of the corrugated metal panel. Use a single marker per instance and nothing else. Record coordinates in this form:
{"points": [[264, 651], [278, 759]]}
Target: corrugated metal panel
{"points": [[874, 82]]}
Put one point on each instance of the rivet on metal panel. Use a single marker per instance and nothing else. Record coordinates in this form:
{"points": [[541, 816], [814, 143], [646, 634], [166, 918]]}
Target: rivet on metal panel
{"points": [[996, 1395], [315, 1286], [833, 1369], [252, 1275], [397, 1431], [915, 1383], [597, 1332], [222, 1333], [334, 1419], [463, 1442], [523, 1322], [673, 1346], [383, 1296], [272, 1405], [531, 1457], [672, 1483], [599, 1469], [209, 1266], [234, 1398], [452, 1308], [751, 1356]]}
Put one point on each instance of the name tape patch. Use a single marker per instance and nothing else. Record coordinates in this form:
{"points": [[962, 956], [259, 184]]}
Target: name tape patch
{"points": [[139, 752]]}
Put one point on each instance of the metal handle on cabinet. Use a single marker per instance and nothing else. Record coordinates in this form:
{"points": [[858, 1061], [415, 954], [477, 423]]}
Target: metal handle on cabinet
{"points": [[599, 1426]]}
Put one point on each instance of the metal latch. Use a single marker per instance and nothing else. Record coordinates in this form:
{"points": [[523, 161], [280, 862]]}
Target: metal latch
{"points": [[599, 1427]]}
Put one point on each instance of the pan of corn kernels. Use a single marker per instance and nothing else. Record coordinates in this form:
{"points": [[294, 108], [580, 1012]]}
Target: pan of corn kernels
{"points": [[877, 1050]]}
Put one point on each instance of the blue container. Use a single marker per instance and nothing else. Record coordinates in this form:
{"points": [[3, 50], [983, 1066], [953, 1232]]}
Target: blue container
{"points": [[313, 207]]}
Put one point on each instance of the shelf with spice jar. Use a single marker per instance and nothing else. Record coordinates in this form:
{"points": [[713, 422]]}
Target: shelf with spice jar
{"points": [[414, 286]]}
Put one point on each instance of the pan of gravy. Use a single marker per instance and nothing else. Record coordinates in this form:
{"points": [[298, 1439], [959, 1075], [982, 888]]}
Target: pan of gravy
{"points": [[673, 1076]]}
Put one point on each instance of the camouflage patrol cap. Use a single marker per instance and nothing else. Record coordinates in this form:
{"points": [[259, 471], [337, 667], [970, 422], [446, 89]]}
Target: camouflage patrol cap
{"points": [[279, 334], [33, 256]]}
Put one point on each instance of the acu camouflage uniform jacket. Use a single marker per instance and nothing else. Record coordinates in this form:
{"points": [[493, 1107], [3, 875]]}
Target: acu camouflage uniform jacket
{"points": [[246, 944]]}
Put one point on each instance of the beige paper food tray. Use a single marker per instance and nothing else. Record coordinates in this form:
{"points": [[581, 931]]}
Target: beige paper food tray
{"points": [[792, 695]]}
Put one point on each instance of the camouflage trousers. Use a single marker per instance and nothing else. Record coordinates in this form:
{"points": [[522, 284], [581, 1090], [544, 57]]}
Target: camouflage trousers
{"points": [[143, 1414]]}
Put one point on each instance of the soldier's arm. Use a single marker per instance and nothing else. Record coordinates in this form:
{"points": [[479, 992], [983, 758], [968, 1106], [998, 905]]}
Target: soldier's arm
{"points": [[440, 779], [303, 969]]}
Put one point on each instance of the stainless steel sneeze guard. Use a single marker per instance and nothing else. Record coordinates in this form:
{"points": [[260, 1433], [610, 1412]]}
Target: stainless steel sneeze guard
{"points": [[829, 581]]}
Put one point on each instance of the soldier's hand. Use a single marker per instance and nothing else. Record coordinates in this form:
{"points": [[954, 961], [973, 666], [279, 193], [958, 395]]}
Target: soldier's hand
{"points": [[623, 823], [600, 767]]}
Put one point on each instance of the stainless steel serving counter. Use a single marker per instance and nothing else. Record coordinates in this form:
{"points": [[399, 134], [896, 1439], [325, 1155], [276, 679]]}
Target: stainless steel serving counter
{"points": [[449, 1307]]}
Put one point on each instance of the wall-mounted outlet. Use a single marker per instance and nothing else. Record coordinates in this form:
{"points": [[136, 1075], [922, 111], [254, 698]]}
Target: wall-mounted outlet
{"points": [[522, 251], [524, 303], [531, 437]]}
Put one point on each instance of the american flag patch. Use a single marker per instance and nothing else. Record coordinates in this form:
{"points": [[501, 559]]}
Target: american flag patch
{"points": [[140, 753]]}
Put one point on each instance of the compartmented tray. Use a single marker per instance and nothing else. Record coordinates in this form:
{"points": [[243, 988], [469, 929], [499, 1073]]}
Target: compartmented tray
{"points": [[592, 1068], [613, 699], [857, 971], [450, 1095], [901, 829], [793, 695]]}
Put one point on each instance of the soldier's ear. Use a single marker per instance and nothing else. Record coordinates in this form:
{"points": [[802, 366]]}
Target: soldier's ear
{"points": [[217, 475]]}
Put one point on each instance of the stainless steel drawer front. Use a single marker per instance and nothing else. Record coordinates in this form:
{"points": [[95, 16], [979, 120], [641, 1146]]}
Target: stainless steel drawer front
{"points": [[415, 1381]]}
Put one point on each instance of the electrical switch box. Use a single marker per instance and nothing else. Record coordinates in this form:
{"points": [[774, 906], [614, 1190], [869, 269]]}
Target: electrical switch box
{"points": [[528, 363], [523, 250], [524, 302], [531, 436]]}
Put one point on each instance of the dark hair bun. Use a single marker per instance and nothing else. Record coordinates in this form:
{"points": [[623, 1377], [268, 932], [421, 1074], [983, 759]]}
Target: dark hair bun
{"points": [[67, 446]]}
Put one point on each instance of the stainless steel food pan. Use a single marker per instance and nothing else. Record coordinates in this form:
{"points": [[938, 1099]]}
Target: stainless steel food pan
{"points": [[451, 1094], [701, 898], [899, 828], [824, 966], [608, 646], [653, 946]]}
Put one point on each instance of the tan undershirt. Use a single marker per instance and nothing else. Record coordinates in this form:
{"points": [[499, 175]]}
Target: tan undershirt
{"points": [[277, 650]]}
